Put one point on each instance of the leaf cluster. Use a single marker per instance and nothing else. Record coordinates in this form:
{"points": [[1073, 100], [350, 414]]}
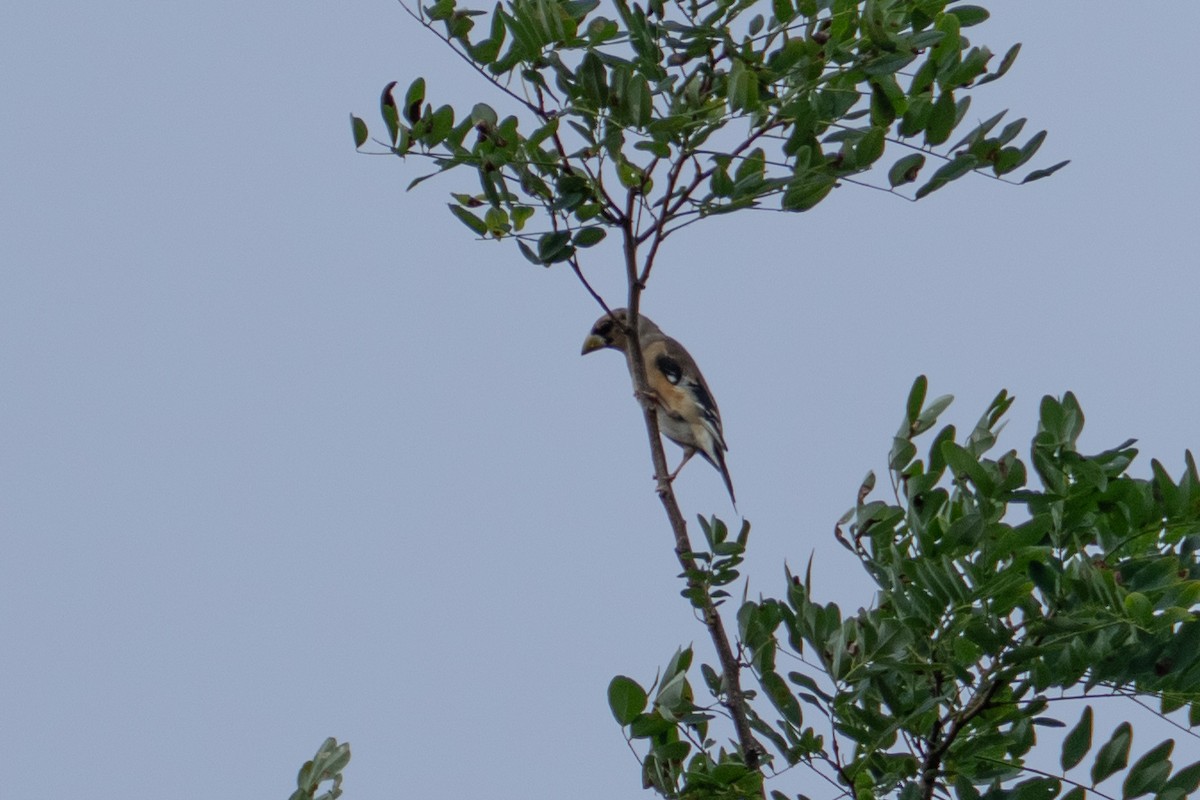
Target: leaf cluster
{"points": [[681, 760], [649, 117], [325, 767], [995, 599]]}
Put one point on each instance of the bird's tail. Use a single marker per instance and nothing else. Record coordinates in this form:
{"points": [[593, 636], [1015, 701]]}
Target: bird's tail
{"points": [[725, 474]]}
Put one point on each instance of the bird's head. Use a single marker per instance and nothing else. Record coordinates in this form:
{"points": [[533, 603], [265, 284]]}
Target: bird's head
{"points": [[609, 331]]}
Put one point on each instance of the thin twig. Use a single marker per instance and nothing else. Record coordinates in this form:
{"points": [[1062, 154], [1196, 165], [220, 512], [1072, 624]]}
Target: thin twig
{"points": [[931, 765], [428, 25], [574, 262], [1163, 717], [1062, 778]]}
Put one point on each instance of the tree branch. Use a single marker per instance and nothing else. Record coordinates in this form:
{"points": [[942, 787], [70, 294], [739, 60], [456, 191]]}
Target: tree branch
{"points": [[428, 25], [931, 765], [734, 700]]}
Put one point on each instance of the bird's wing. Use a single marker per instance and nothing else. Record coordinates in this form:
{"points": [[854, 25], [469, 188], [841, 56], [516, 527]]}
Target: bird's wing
{"points": [[674, 376], [695, 420]]}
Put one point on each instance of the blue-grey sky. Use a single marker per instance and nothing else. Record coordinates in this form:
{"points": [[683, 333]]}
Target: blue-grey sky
{"points": [[285, 454]]}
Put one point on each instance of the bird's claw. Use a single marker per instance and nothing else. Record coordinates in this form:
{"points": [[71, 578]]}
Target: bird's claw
{"points": [[649, 397]]}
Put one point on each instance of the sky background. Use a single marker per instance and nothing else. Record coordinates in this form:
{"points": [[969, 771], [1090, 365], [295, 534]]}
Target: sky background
{"points": [[285, 454]]}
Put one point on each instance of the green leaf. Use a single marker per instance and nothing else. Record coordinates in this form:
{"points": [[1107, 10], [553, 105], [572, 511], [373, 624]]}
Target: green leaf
{"points": [[916, 116], [1036, 789], [579, 9], [906, 169], [1038, 174], [1010, 131], [440, 125], [485, 52], [869, 147], [359, 128], [902, 453], [1150, 772], [969, 15], [962, 462], [979, 131], [497, 222], [1077, 743], [941, 119], [326, 765], [916, 398], [531, 256], [964, 790], [647, 725], [470, 220], [743, 87], [800, 679], [460, 24], [1005, 64], [483, 114], [803, 194], [498, 28], [387, 108], [659, 149], [1139, 608], [948, 49], [587, 237], [630, 176], [1031, 147], [974, 65], [1187, 779], [721, 184], [626, 699], [1044, 578], [961, 165], [888, 64], [929, 416], [419, 180], [751, 170], [555, 247], [1049, 722], [1114, 755], [592, 80], [413, 99], [681, 661], [887, 100], [782, 697], [601, 29], [638, 99], [673, 696]]}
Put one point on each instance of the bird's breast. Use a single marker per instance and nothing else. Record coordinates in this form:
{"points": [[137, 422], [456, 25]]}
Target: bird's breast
{"points": [[676, 429]]}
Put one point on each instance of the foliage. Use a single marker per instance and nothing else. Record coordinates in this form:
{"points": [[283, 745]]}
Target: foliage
{"points": [[994, 600], [656, 116], [326, 765]]}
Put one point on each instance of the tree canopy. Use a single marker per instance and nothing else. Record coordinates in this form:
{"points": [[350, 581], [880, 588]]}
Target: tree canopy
{"points": [[660, 115], [999, 607], [1008, 590]]}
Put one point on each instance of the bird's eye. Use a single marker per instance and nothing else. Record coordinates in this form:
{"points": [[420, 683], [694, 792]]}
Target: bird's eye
{"points": [[605, 328]]}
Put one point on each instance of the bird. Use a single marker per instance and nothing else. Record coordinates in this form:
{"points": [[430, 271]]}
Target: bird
{"points": [[687, 412]]}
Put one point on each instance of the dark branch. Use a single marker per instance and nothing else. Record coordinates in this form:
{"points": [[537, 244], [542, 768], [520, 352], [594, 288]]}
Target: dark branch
{"points": [[734, 700]]}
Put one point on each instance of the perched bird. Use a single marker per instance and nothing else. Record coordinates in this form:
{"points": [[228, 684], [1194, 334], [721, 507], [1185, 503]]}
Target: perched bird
{"points": [[687, 413]]}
